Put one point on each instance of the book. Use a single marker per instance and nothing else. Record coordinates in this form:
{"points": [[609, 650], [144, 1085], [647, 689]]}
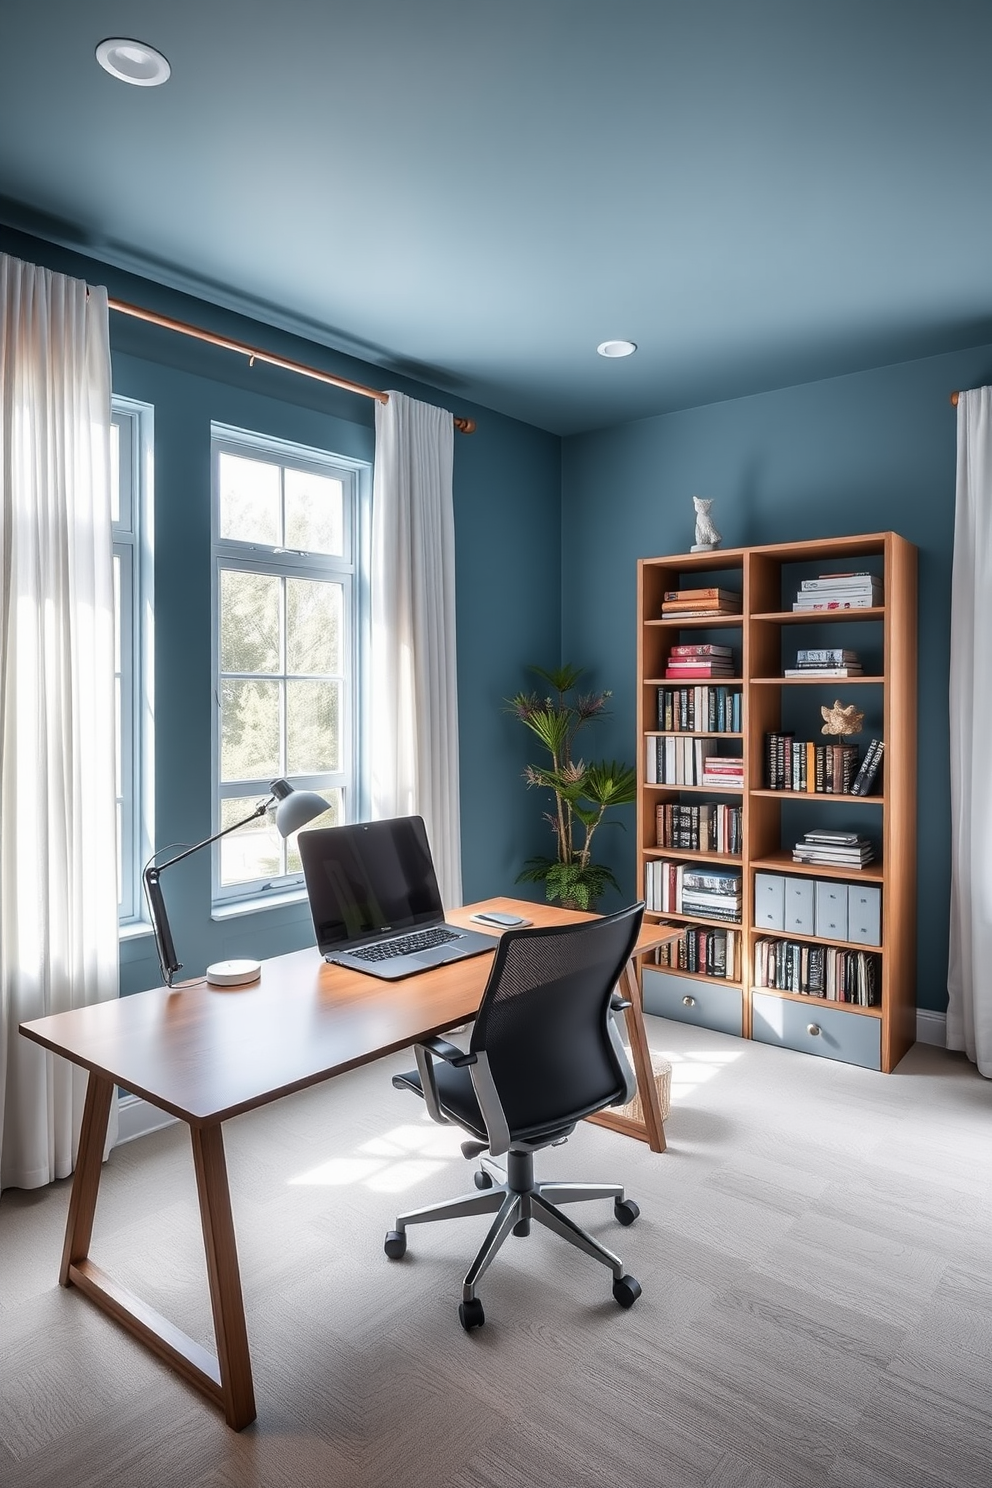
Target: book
{"points": [[689, 670], [705, 650], [721, 664], [869, 769], [826, 656], [859, 579], [730, 594], [867, 602], [814, 671]]}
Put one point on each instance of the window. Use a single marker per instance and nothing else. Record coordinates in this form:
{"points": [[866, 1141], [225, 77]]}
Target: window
{"points": [[130, 476], [289, 534]]}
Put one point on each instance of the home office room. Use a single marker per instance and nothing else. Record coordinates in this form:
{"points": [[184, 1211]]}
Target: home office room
{"points": [[493, 789]]}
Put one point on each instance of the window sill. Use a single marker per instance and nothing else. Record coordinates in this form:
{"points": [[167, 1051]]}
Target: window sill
{"points": [[133, 930], [236, 908]]}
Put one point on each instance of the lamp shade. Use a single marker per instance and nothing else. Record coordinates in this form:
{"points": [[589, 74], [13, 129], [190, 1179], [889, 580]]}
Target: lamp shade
{"points": [[295, 807]]}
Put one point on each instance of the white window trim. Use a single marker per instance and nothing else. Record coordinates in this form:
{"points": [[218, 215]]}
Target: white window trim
{"points": [[232, 899], [134, 544]]}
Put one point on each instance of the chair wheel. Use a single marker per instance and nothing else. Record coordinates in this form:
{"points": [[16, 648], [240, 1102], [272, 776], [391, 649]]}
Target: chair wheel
{"points": [[483, 1179], [522, 1227], [395, 1246], [471, 1314], [625, 1210], [626, 1290]]}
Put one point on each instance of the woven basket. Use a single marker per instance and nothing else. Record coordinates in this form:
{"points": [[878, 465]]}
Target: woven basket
{"points": [[662, 1071]]}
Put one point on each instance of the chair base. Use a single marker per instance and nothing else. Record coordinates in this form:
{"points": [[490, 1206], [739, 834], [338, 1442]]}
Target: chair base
{"points": [[515, 1203]]}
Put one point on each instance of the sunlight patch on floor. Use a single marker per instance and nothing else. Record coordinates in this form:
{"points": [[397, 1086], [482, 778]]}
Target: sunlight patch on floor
{"points": [[690, 1069], [391, 1163]]}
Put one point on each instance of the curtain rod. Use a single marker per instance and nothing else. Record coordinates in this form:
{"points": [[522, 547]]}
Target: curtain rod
{"points": [[464, 425]]}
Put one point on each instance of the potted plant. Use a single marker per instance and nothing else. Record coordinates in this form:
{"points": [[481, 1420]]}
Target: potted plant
{"points": [[582, 792]]}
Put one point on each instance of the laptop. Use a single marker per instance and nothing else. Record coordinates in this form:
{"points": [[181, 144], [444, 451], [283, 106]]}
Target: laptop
{"points": [[375, 902]]}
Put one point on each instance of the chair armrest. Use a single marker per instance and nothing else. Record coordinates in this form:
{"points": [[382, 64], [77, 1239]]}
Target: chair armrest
{"points": [[449, 1052], [426, 1051], [619, 1004]]}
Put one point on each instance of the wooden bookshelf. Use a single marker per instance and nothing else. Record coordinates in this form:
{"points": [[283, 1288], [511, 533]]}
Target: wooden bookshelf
{"points": [[764, 637]]}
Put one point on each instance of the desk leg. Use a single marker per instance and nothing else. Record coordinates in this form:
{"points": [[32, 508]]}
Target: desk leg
{"points": [[651, 1128], [224, 1276], [86, 1179]]}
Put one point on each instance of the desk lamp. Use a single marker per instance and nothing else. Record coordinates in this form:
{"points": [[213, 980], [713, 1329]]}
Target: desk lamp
{"points": [[293, 809]]}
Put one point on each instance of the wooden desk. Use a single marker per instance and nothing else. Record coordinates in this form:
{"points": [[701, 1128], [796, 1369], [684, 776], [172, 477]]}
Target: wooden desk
{"points": [[207, 1053]]}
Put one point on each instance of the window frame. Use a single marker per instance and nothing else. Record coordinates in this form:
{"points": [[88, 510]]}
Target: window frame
{"points": [[351, 570], [132, 534]]}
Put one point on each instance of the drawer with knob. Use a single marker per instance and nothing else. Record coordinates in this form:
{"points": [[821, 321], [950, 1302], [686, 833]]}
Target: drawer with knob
{"points": [[830, 1032], [710, 1004]]}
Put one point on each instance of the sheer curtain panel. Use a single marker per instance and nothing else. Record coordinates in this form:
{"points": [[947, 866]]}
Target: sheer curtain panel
{"points": [[414, 690], [58, 836], [969, 978]]}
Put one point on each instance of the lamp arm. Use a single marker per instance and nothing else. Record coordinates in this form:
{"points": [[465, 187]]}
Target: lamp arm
{"points": [[161, 928]]}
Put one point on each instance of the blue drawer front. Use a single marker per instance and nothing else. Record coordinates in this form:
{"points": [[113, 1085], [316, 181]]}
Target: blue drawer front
{"points": [[852, 1037], [710, 1005]]}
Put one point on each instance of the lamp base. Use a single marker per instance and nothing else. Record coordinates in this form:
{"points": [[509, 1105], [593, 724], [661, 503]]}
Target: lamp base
{"points": [[233, 973]]}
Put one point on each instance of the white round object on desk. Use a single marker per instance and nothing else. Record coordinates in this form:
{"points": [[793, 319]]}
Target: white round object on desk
{"points": [[233, 973]]}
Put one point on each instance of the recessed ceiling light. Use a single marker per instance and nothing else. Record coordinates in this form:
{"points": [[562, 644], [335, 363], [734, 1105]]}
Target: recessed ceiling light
{"points": [[133, 62], [616, 348]]}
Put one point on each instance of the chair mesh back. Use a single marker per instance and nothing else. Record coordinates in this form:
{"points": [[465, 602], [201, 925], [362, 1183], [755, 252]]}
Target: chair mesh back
{"points": [[543, 1019]]}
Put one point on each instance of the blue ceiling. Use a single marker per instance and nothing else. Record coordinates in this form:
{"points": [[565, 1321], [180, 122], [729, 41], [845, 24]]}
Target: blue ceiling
{"points": [[757, 192]]}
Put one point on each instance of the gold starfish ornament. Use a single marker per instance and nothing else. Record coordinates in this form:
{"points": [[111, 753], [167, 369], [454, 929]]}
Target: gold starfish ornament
{"points": [[841, 720]]}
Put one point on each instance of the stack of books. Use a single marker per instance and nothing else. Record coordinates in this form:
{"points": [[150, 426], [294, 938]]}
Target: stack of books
{"points": [[803, 765], [708, 827], [702, 949], [711, 895], [698, 708], [825, 662], [700, 661], [677, 888], [833, 850], [723, 772], [865, 777], [826, 971], [687, 603], [840, 591]]}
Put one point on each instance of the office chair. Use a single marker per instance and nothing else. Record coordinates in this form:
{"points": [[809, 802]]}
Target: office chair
{"points": [[544, 1052]]}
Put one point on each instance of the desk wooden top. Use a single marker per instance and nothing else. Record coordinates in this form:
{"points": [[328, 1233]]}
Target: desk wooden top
{"points": [[205, 1053]]}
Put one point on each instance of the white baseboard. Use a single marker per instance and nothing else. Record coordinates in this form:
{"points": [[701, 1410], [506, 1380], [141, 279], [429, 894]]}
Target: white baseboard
{"points": [[931, 1028], [137, 1117]]}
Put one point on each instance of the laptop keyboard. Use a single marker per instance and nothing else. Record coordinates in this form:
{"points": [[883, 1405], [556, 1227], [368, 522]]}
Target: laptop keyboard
{"points": [[405, 945]]}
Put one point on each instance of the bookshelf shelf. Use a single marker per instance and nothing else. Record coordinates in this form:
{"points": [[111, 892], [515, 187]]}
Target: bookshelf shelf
{"points": [[714, 981], [825, 682], [812, 1002], [827, 796], [818, 617], [783, 862], [764, 642], [703, 790], [692, 854]]}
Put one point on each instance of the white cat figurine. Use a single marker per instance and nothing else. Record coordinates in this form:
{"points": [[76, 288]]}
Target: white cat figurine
{"points": [[706, 534]]}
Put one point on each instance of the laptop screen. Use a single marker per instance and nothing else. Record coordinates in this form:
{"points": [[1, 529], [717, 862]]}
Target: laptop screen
{"points": [[369, 878]]}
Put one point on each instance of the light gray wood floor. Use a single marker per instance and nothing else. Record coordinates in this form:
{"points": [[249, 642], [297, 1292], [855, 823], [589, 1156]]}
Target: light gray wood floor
{"points": [[814, 1250]]}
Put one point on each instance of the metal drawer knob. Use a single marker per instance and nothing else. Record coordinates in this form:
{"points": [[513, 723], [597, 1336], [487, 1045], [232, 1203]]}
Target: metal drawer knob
{"points": [[688, 1002], [813, 1028]]}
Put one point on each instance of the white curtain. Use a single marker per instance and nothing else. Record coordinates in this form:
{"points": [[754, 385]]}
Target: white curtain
{"points": [[969, 978], [58, 847], [414, 722]]}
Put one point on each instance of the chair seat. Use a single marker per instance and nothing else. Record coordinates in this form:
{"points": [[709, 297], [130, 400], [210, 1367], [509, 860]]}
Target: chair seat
{"points": [[456, 1094]]}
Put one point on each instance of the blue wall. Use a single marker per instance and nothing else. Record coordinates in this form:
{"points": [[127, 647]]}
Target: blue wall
{"points": [[507, 534], [866, 453], [548, 534]]}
